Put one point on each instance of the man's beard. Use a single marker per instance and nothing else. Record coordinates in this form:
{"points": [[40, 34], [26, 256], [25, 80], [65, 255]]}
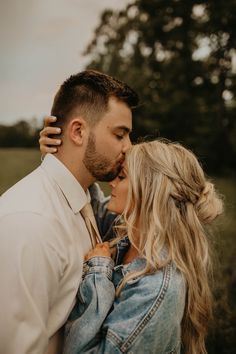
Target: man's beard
{"points": [[99, 166]]}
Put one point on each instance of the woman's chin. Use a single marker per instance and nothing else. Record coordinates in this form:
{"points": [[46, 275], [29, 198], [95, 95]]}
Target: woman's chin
{"points": [[113, 209]]}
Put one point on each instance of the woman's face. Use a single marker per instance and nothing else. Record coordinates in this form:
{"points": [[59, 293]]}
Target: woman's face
{"points": [[119, 191]]}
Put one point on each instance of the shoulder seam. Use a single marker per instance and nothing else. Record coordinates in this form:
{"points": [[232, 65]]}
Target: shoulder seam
{"points": [[165, 283]]}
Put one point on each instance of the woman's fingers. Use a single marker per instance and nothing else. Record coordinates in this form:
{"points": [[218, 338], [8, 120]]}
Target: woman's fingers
{"points": [[49, 130], [102, 245], [45, 145], [101, 249], [47, 150], [48, 120], [44, 140]]}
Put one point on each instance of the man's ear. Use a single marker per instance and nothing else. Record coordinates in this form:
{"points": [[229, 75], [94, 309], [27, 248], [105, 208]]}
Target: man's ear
{"points": [[77, 130]]}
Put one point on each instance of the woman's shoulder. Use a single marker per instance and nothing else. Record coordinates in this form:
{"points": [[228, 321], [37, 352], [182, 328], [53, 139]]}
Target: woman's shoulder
{"points": [[167, 277], [166, 286], [147, 305], [169, 286]]}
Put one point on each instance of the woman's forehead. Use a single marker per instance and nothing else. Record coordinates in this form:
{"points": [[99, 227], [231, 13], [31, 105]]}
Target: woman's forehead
{"points": [[125, 166]]}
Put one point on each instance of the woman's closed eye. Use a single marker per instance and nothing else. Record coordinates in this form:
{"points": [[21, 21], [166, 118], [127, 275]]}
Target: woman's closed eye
{"points": [[121, 177]]}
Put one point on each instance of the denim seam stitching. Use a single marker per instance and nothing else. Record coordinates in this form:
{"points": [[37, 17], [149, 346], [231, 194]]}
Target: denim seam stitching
{"points": [[114, 338], [151, 312]]}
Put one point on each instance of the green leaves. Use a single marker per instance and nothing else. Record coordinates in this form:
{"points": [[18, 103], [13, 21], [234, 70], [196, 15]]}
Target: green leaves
{"points": [[178, 55]]}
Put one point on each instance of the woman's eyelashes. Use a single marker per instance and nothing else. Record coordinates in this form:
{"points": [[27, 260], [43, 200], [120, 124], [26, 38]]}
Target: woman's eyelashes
{"points": [[121, 177]]}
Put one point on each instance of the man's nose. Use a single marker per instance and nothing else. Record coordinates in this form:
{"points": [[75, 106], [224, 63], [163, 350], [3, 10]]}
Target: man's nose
{"points": [[127, 144]]}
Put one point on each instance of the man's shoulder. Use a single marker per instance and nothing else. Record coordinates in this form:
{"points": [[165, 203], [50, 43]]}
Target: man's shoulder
{"points": [[30, 194], [24, 183]]}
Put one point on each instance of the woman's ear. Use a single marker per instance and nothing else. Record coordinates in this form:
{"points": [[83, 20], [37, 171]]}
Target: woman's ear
{"points": [[77, 129]]}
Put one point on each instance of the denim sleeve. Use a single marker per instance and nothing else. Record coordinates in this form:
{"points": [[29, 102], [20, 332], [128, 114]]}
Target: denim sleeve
{"points": [[95, 298], [104, 217]]}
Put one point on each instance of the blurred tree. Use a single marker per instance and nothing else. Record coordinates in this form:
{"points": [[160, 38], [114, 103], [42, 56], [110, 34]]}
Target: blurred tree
{"points": [[180, 57], [20, 134]]}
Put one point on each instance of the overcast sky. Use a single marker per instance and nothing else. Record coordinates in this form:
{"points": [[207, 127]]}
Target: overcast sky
{"points": [[41, 45]]}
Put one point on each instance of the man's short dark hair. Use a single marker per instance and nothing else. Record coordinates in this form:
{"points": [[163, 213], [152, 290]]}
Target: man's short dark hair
{"points": [[87, 94]]}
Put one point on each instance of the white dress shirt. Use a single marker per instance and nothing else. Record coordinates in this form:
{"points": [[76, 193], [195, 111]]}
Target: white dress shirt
{"points": [[43, 239]]}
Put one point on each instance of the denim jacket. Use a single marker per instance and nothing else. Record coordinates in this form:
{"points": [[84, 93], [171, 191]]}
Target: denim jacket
{"points": [[145, 317]]}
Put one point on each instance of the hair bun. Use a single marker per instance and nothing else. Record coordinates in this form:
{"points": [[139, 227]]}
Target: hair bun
{"points": [[209, 204]]}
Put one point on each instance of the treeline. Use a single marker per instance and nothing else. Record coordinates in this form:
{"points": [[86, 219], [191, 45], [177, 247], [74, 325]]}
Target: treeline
{"points": [[20, 134]]}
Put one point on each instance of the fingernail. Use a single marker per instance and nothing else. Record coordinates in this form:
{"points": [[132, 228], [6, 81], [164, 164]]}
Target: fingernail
{"points": [[54, 118], [58, 142], [54, 150], [58, 130]]}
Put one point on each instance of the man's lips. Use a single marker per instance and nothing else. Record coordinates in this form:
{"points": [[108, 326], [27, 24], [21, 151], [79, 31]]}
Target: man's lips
{"points": [[121, 160]]}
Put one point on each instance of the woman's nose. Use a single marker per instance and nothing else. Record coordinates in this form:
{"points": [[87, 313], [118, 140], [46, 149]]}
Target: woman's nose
{"points": [[112, 183]]}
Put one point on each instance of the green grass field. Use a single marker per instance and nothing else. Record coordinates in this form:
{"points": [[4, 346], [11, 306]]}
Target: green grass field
{"points": [[16, 163]]}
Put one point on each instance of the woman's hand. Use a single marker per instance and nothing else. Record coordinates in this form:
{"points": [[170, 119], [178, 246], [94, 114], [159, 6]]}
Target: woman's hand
{"points": [[48, 145], [101, 249]]}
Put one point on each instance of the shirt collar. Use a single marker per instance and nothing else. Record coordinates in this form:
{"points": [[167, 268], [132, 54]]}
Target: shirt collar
{"points": [[70, 187]]}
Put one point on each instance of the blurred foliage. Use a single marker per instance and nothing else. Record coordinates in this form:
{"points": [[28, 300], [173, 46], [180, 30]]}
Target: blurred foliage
{"points": [[21, 134], [222, 338], [180, 57]]}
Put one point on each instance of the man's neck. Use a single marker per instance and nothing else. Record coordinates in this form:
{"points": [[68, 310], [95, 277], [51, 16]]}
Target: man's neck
{"points": [[78, 170]]}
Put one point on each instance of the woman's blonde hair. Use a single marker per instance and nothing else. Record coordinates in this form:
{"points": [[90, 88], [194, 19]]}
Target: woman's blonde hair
{"points": [[170, 201]]}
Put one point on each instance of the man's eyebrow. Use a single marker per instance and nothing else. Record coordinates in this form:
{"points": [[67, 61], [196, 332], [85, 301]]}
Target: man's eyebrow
{"points": [[123, 127]]}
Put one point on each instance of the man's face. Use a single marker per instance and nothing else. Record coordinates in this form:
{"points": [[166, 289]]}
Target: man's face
{"points": [[108, 141]]}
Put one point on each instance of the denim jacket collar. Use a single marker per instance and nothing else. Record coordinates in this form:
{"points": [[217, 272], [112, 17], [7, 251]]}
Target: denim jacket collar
{"points": [[121, 249]]}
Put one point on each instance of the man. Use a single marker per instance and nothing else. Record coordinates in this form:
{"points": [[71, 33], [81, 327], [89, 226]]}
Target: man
{"points": [[43, 235]]}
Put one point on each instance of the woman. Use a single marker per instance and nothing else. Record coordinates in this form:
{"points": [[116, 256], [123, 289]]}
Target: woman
{"points": [[154, 296]]}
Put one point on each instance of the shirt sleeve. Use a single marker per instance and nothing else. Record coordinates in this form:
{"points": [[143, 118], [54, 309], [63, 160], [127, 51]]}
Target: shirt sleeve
{"points": [[104, 218], [30, 273]]}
